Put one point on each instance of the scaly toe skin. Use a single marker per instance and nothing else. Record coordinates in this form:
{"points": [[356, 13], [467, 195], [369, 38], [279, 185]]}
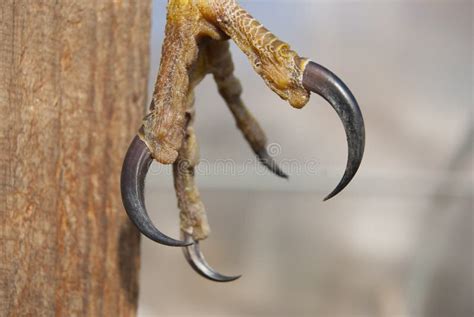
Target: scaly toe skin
{"points": [[221, 65]]}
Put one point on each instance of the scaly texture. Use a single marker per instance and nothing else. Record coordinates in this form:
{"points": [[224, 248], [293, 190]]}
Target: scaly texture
{"points": [[280, 67], [193, 214], [192, 48], [193, 219], [221, 66], [163, 128], [189, 23]]}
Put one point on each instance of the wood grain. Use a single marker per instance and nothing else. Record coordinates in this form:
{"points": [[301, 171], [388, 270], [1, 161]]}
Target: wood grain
{"points": [[72, 93]]}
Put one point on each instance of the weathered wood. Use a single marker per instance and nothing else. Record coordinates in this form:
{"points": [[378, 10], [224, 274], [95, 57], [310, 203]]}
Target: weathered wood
{"points": [[72, 92]]}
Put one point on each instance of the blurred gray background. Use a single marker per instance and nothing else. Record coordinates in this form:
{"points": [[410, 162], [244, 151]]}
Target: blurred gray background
{"points": [[399, 240]]}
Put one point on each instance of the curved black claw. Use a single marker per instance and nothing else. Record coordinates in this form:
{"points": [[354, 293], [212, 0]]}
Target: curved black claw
{"points": [[322, 81], [270, 163], [132, 184], [196, 259]]}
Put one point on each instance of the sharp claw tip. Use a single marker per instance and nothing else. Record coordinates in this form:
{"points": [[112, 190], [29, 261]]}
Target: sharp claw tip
{"points": [[235, 278], [268, 161], [333, 194], [225, 280]]}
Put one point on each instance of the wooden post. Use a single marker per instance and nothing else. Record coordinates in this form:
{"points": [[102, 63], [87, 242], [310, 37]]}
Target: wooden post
{"points": [[73, 80]]}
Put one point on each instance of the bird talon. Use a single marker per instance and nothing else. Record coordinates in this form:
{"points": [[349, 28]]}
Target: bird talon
{"points": [[270, 163], [168, 128], [323, 82], [196, 259], [135, 167]]}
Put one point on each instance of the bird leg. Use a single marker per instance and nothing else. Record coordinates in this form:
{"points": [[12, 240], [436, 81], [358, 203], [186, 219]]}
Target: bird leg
{"points": [[219, 62], [193, 214], [290, 76], [280, 67], [194, 224], [190, 51]]}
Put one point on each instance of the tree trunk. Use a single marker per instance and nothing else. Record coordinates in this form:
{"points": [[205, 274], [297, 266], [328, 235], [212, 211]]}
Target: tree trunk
{"points": [[72, 92]]}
